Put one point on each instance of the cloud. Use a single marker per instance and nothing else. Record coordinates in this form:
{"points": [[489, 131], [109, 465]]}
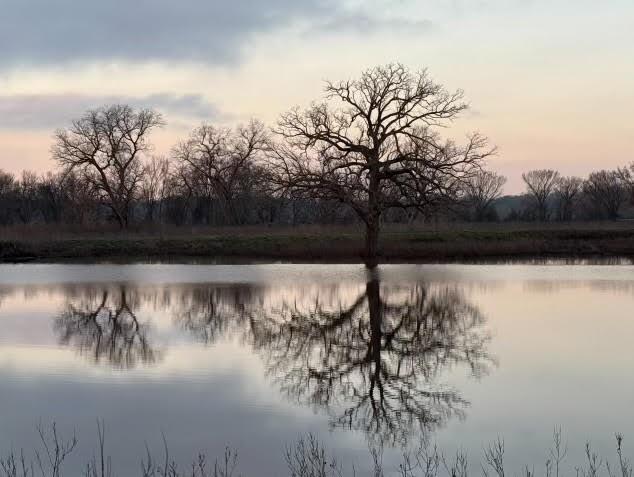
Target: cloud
{"points": [[363, 23], [51, 33], [33, 112], [210, 31]]}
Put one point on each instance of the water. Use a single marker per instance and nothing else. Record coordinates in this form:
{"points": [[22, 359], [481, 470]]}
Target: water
{"points": [[253, 356]]}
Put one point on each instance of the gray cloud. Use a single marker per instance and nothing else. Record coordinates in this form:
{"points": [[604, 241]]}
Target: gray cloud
{"points": [[34, 112], [36, 32], [360, 22], [212, 31]]}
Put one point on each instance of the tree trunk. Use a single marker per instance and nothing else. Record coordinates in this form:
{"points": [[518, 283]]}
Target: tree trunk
{"points": [[372, 242], [118, 216], [543, 211], [373, 218]]}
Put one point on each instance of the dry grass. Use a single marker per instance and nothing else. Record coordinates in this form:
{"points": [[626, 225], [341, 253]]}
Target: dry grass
{"points": [[40, 232], [442, 242]]}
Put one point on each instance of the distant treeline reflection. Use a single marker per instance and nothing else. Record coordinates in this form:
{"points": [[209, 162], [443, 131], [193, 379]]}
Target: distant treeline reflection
{"points": [[371, 356]]}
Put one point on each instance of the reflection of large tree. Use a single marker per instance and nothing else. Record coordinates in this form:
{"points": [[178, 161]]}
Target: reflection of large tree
{"points": [[103, 326], [375, 362]]}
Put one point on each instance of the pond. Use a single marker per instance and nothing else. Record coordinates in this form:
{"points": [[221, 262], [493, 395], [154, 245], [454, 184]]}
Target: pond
{"points": [[255, 356]]}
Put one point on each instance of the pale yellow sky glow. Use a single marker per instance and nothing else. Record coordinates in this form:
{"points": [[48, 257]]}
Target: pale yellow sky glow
{"points": [[549, 81]]}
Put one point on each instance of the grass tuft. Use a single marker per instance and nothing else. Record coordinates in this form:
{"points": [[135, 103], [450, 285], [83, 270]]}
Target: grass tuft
{"points": [[307, 457]]}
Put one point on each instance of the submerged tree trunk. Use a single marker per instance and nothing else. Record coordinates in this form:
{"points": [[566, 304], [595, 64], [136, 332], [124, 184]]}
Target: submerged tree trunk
{"points": [[375, 309]]}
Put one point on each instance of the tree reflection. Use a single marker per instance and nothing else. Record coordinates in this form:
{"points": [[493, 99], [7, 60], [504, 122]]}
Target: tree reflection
{"points": [[103, 326], [211, 312], [375, 363], [375, 357]]}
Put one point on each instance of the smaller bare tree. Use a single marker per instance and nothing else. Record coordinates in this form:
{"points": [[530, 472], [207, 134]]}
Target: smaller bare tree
{"points": [[540, 185], [567, 190], [481, 190], [607, 191], [219, 160], [106, 146]]}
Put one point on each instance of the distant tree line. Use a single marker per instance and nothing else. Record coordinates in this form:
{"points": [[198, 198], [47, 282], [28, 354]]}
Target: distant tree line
{"points": [[549, 197], [195, 187], [603, 195], [370, 153]]}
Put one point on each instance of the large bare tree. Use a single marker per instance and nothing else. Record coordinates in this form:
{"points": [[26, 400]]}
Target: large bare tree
{"points": [[106, 146], [221, 162], [540, 185], [373, 144], [482, 189]]}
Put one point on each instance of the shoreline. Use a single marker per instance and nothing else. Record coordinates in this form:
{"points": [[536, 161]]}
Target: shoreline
{"points": [[396, 247]]}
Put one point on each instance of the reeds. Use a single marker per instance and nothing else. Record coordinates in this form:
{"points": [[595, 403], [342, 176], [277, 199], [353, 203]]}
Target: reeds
{"points": [[307, 457]]}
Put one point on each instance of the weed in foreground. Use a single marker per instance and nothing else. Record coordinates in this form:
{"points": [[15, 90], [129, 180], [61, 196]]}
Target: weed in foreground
{"points": [[306, 457]]}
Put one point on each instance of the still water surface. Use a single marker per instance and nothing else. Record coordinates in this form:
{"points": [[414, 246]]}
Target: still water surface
{"points": [[253, 356]]}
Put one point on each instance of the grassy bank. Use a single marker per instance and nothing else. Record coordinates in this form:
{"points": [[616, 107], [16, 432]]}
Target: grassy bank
{"points": [[442, 243]]}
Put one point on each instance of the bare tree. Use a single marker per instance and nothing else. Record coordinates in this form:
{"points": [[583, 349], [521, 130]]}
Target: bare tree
{"points": [[567, 190], [106, 146], [373, 145], [219, 160], [541, 184], [482, 189], [607, 191]]}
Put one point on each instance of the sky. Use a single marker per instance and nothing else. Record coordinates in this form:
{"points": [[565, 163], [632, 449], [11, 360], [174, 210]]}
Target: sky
{"points": [[548, 81]]}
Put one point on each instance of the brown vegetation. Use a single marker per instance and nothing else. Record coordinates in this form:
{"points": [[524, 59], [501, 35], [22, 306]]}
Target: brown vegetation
{"points": [[445, 242]]}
